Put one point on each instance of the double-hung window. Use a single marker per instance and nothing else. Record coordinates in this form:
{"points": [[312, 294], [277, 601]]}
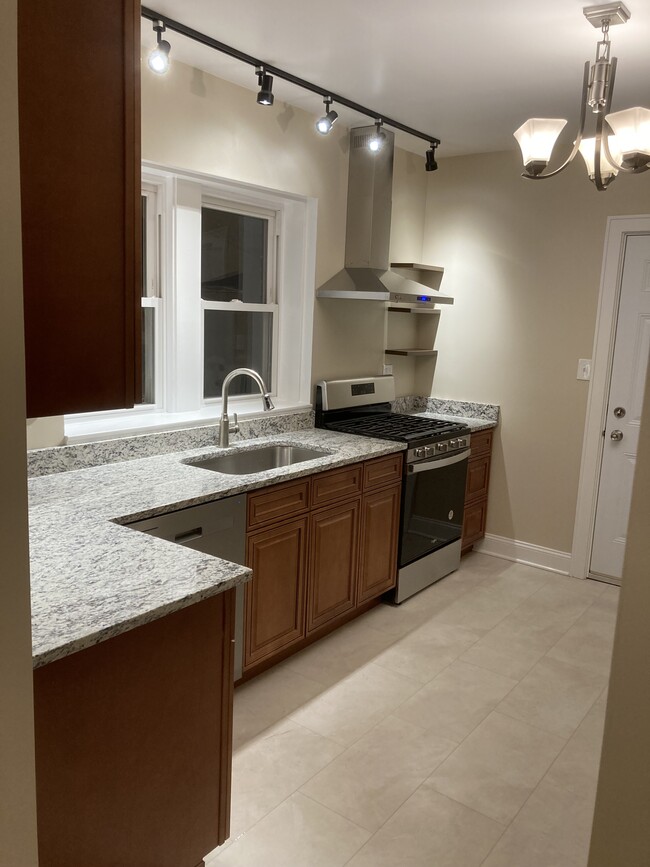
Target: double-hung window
{"points": [[228, 274]]}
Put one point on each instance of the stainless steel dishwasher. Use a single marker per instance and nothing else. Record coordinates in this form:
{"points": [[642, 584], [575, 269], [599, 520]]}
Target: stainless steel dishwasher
{"points": [[217, 528]]}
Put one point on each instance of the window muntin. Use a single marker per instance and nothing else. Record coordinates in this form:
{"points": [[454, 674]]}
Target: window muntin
{"points": [[151, 301]]}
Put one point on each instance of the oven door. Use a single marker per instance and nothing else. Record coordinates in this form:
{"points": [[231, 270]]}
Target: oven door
{"points": [[433, 500]]}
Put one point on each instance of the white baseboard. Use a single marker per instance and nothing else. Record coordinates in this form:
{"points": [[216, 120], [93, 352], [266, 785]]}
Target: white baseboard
{"points": [[524, 552]]}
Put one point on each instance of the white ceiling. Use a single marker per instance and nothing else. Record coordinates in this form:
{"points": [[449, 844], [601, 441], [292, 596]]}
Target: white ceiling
{"points": [[466, 72]]}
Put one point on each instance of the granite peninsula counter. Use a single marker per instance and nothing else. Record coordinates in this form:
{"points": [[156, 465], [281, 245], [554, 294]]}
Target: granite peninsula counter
{"points": [[93, 578]]}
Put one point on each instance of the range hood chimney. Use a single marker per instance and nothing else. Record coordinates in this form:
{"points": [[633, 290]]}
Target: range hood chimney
{"points": [[367, 275]]}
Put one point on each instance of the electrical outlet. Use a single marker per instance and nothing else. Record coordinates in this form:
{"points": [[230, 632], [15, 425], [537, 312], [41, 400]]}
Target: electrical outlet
{"points": [[584, 368], [387, 370]]}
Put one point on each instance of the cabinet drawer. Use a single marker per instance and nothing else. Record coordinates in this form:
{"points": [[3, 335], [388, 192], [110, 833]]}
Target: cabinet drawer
{"points": [[474, 522], [382, 471], [481, 442], [278, 503], [478, 477], [336, 485]]}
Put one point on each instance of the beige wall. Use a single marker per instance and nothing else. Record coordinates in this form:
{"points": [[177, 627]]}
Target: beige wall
{"points": [[620, 834], [17, 797], [523, 260]]}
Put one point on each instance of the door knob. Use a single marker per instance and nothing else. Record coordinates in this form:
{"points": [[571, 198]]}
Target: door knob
{"points": [[617, 435], [619, 412]]}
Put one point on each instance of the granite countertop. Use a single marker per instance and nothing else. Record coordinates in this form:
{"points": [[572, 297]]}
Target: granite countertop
{"points": [[93, 578], [476, 424]]}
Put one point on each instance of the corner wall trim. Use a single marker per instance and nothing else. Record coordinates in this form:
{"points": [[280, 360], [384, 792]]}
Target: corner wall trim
{"points": [[524, 552]]}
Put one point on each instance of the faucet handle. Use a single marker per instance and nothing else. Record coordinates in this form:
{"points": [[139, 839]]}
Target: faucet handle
{"points": [[234, 426]]}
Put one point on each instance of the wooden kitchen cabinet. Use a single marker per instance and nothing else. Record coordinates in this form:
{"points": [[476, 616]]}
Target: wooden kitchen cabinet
{"points": [[322, 550], [333, 540], [378, 560], [274, 617], [79, 125], [476, 490], [133, 744]]}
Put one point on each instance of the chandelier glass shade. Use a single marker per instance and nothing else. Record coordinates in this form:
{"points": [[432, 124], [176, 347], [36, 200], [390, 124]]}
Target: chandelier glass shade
{"points": [[621, 140]]}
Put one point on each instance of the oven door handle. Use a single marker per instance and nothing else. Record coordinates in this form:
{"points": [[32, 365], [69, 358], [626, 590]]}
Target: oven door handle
{"points": [[438, 463]]}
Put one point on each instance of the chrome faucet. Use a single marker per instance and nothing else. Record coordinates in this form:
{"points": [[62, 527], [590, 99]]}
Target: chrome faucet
{"points": [[225, 426]]}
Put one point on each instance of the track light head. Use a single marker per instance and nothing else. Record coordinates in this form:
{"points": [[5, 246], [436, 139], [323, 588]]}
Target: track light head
{"points": [[377, 139], [159, 58], [325, 123], [265, 81], [430, 158]]}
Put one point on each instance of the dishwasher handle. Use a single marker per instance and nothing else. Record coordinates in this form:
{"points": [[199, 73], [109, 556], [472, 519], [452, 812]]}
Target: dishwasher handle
{"points": [[438, 463], [188, 536]]}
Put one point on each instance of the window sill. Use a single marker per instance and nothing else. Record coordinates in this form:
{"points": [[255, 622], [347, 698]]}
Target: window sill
{"points": [[126, 423]]}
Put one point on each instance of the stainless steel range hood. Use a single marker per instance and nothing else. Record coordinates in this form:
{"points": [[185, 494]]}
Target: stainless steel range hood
{"points": [[367, 274]]}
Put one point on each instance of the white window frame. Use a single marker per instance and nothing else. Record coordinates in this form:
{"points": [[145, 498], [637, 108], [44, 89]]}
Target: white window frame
{"points": [[180, 195]]}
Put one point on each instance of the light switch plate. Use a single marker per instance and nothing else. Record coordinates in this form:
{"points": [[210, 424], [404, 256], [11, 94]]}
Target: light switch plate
{"points": [[387, 369], [584, 368]]}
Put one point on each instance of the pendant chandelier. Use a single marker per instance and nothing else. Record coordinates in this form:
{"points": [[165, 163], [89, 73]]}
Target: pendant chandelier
{"points": [[621, 141]]}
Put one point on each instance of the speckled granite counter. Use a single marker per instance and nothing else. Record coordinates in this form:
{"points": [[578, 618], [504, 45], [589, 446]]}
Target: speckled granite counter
{"points": [[477, 416], [476, 424], [93, 578]]}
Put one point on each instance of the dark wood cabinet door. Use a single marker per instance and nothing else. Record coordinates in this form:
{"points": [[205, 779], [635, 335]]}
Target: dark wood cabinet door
{"points": [[333, 563], [275, 597], [478, 477], [78, 81], [379, 535]]}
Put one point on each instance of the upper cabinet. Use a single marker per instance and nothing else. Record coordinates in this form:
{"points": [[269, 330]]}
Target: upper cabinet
{"points": [[78, 67]]}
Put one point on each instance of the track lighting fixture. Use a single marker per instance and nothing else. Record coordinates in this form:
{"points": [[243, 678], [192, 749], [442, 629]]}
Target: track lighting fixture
{"points": [[377, 139], [621, 142], [159, 62], [430, 163], [265, 81], [159, 57], [325, 123]]}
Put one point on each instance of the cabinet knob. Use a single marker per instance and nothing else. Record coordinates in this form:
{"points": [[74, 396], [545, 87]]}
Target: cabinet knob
{"points": [[616, 435]]}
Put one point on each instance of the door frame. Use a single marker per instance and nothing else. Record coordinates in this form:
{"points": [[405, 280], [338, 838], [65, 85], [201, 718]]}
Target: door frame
{"points": [[618, 229]]}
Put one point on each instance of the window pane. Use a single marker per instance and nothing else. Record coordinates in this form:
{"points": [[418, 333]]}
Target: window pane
{"points": [[143, 289], [237, 339], [148, 355], [233, 257]]}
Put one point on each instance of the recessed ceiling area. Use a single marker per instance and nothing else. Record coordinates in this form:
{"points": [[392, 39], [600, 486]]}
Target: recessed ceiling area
{"points": [[468, 73]]}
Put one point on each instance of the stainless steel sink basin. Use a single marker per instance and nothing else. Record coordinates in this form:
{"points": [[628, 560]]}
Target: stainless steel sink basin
{"points": [[258, 460]]}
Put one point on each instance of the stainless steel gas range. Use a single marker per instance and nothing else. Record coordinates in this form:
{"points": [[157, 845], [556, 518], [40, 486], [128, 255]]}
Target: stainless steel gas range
{"points": [[435, 471]]}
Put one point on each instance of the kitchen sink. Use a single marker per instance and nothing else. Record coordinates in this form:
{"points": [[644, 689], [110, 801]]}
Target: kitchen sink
{"points": [[258, 460]]}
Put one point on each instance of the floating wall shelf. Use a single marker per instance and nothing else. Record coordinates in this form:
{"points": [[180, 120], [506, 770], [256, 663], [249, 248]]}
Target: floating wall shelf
{"points": [[414, 352]]}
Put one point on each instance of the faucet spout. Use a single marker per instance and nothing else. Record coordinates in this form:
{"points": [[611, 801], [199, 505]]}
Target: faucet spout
{"points": [[225, 427]]}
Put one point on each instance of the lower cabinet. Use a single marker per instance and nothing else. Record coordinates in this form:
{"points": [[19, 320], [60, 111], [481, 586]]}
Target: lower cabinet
{"points": [[476, 490], [320, 557]]}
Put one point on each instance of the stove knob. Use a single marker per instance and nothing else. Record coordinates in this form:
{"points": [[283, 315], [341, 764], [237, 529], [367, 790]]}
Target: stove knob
{"points": [[453, 444], [441, 447], [420, 453], [462, 442], [429, 451]]}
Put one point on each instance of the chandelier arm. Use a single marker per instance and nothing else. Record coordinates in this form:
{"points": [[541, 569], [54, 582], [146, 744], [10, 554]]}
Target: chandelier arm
{"points": [[600, 140], [581, 129]]}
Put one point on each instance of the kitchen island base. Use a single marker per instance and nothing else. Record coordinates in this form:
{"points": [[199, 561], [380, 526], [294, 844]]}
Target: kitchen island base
{"points": [[134, 744]]}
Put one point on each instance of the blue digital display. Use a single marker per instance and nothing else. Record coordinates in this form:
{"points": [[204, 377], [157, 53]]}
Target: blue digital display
{"points": [[423, 298]]}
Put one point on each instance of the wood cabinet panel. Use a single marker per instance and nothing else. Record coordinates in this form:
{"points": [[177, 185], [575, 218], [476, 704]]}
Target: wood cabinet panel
{"points": [[474, 522], [478, 477], [275, 598], [336, 485], [333, 562], [382, 471], [78, 77], [379, 534], [134, 744], [481, 442], [278, 503]]}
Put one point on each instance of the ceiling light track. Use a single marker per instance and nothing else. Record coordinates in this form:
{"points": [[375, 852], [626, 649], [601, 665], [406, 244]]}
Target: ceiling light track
{"points": [[269, 71]]}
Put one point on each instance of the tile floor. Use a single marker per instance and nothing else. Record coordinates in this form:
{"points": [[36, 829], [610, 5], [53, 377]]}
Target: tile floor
{"points": [[461, 729]]}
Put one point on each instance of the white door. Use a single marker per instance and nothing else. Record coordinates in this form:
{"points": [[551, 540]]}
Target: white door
{"points": [[621, 428]]}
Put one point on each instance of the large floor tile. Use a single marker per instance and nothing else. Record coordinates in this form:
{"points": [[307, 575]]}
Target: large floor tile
{"points": [[267, 699], [552, 830], [430, 830], [273, 766], [298, 833], [340, 653], [554, 696], [357, 704], [371, 779], [576, 768], [497, 767], [456, 701], [479, 611], [589, 642], [426, 651]]}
